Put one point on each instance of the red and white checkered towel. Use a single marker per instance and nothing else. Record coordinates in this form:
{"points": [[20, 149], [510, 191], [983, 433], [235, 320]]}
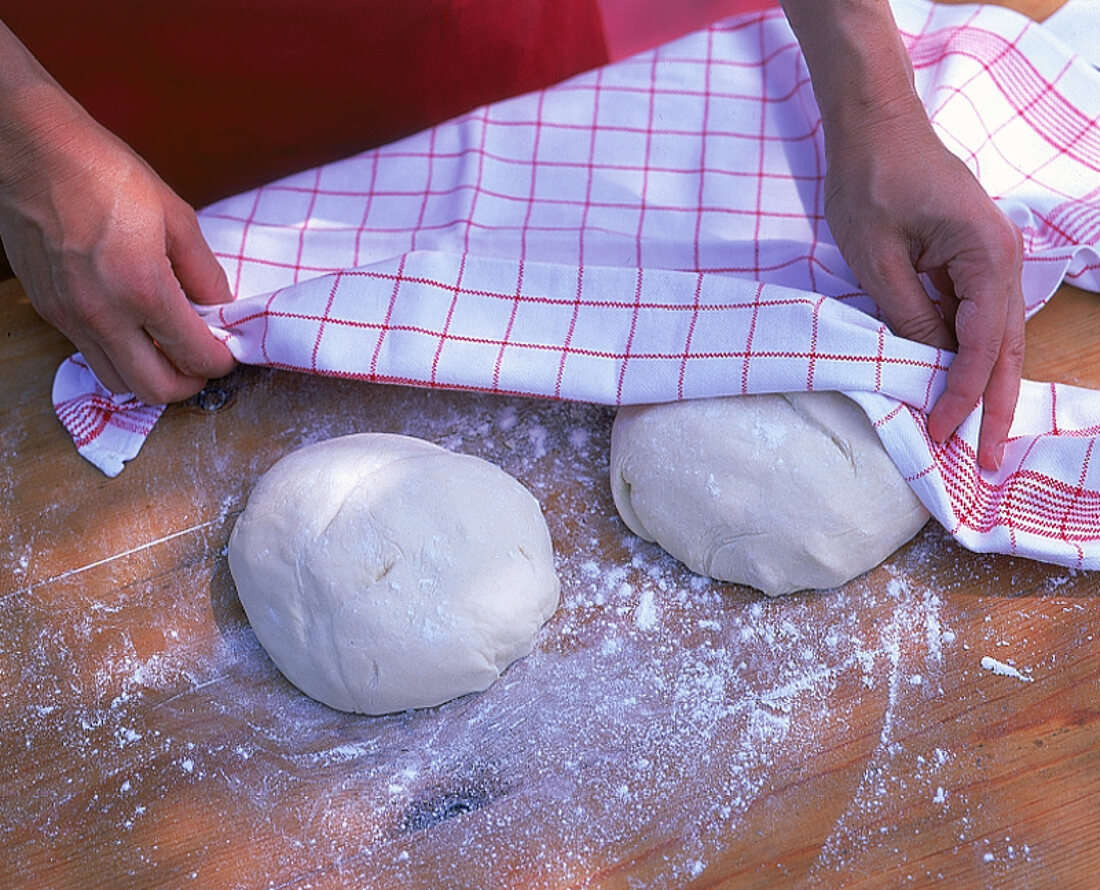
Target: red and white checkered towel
{"points": [[653, 231]]}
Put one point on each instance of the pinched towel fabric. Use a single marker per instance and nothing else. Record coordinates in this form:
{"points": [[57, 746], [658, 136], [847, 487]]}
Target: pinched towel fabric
{"points": [[653, 231]]}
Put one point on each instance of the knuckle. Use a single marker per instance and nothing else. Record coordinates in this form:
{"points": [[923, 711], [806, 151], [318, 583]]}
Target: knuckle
{"points": [[984, 353], [1008, 246], [190, 365], [922, 328], [879, 268], [181, 218], [965, 390], [89, 309], [1012, 350], [203, 362], [185, 365]]}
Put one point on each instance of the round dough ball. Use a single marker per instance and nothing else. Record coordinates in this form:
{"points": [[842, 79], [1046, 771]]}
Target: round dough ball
{"points": [[780, 492], [382, 572]]}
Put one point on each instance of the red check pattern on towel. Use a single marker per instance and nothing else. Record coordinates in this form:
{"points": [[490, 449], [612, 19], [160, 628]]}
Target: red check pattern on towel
{"points": [[653, 231]]}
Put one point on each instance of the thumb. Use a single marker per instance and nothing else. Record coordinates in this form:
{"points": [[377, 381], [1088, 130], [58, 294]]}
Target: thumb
{"points": [[196, 268]]}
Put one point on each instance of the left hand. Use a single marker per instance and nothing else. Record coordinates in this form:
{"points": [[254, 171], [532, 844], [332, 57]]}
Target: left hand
{"points": [[900, 204]]}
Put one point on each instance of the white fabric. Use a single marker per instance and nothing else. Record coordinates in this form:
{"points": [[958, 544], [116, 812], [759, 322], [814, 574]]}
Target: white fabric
{"points": [[653, 231], [1077, 24]]}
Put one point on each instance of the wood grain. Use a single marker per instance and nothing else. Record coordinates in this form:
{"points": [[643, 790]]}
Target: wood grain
{"points": [[849, 739], [1036, 9]]}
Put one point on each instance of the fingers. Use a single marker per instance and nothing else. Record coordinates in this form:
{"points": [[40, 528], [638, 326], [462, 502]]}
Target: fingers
{"points": [[102, 366], [897, 290], [969, 374], [999, 403], [196, 268], [183, 337], [141, 367], [989, 326], [988, 366], [126, 360], [988, 337], [146, 338], [161, 348], [168, 358], [167, 353]]}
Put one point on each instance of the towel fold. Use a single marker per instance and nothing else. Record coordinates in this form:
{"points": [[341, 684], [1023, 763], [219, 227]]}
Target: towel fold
{"points": [[653, 231]]}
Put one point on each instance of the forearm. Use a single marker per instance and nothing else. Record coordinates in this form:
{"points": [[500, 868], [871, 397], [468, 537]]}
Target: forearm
{"points": [[105, 250], [858, 64], [19, 70], [36, 114], [899, 205]]}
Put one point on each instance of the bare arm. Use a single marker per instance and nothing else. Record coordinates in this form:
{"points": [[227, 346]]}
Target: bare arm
{"points": [[105, 250], [899, 203]]}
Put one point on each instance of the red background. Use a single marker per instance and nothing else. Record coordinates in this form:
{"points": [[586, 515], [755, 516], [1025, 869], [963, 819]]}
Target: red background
{"points": [[223, 95]]}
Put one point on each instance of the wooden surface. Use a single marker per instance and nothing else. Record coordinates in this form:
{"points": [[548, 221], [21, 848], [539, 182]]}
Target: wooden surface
{"points": [[667, 732], [1037, 9]]}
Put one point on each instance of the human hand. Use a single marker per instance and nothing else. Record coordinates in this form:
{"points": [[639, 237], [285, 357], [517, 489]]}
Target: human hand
{"points": [[108, 253], [899, 204]]}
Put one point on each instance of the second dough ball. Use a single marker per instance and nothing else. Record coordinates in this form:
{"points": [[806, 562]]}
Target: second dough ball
{"points": [[780, 492], [382, 572]]}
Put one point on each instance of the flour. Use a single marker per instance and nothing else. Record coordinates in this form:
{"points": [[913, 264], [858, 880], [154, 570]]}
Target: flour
{"points": [[1003, 670], [657, 704], [645, 613]]}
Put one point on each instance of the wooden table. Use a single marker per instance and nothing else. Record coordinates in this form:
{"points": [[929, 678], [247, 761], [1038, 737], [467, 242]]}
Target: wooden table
{"points": [[667, 732]]}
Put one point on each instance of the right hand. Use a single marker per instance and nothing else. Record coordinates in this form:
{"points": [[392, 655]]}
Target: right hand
{"points": [[108, 253], [900, 204]]}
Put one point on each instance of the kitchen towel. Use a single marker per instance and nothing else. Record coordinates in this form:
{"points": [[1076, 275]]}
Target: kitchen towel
{"points": [[653, 231]]}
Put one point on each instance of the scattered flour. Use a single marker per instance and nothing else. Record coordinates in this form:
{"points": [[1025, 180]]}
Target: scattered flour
{"points": [[645, 613], [1003, 670], [657, 703]]}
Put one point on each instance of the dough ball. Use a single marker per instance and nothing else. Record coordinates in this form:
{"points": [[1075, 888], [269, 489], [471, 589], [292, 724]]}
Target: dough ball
{"points": [[382, 572], [779, 492]]}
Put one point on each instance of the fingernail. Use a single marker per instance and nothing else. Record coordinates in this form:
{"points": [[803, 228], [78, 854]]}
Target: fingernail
{"points": [[1000, 455]]}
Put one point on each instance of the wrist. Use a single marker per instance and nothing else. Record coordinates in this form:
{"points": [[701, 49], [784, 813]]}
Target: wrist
{"points": [[37, 118], [40, 138]]}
